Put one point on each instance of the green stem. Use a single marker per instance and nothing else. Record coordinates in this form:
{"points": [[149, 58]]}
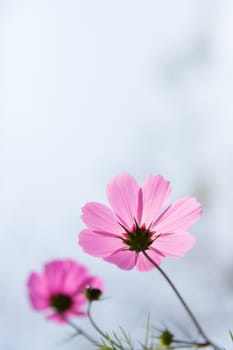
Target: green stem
{"points": [[188, 310], [191, 343], [80, 331], [98, 329]]}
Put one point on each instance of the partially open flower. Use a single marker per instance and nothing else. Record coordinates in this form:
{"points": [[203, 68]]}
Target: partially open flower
{"points": [[61, 289]]}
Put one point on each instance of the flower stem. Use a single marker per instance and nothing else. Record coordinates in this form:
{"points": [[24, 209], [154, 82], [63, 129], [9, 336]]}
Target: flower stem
{"points": [[98, 329], [191, 343], [188, 310], [80, 331]]}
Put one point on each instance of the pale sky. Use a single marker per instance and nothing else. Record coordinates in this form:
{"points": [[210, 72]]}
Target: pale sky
{"points": [[90, 89]]}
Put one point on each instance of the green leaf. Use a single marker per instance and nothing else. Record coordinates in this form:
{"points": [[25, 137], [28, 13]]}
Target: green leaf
{"points": [[231, 334]]}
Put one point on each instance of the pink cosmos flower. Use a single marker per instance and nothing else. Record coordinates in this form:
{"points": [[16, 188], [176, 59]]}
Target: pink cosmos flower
{"points": [[61, 289], [137, 222]]}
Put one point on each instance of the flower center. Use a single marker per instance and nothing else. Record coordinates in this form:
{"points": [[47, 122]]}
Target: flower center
{"points": [[139, 238], [61, 302]]}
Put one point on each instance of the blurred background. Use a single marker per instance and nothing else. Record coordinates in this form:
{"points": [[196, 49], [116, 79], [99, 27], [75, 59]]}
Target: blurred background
{"points": [[90, 89]]}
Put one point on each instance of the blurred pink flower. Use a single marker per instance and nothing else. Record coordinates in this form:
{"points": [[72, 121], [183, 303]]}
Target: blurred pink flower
{"points": [[136, 223], [60, 288]]}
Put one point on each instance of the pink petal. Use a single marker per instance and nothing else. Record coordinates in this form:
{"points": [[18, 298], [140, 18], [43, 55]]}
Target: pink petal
{"points": [[39, 303], [100, 218], [122, 194], [38, 292], [139, 207], [64, 276], [143, 264], [94, 282], [56, 317], [124, 259], [53, 275], [180, 215], [37, 284], [174, 244], [61, 318], [99, 244], [74, 276], [79, 299], [156, 192]]}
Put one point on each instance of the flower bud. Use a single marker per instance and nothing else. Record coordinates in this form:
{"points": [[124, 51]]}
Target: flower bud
{"points": [[92, 294], [165, 338]]}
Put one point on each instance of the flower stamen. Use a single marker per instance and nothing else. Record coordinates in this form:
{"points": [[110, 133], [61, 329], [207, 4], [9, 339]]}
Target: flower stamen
{"points": [[139, 238]]}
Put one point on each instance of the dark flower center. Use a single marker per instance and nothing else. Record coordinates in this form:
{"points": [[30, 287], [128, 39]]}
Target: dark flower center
{"points": [[139, 238], [61, 302]]}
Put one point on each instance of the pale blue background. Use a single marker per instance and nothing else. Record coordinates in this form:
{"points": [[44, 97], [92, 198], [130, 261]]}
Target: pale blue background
{"points": [[89, 89]]}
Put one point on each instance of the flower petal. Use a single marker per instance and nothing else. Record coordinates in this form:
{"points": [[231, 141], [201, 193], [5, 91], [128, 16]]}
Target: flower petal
{"points": [[174, 244], [100, 218], [124, 259], [99, 244], [74, 277], [56, 317], [62, 318], [94, 282], [64, 275], [122, 194], [38, 292], [156, 192], [143, 264], [180, 215]]}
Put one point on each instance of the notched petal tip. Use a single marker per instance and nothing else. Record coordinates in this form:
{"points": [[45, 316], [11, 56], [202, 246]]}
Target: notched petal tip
{"points": [[156, 193], [174, 245], [180, 215], [122, 193]]}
